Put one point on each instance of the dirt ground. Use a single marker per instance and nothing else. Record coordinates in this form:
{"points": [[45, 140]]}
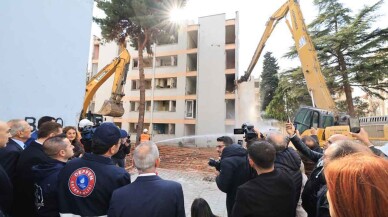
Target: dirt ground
{"points": [[183, 158]]}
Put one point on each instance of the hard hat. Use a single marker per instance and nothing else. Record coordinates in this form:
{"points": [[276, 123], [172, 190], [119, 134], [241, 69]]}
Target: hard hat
{"points": [[85, 122], [145, 131]]}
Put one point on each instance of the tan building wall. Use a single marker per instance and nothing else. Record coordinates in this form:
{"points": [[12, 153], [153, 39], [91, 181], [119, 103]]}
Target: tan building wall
{"points": [[194, 92]]}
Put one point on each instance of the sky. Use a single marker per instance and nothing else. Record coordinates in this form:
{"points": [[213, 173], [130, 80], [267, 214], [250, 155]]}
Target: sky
{"points": [[253, 15]]}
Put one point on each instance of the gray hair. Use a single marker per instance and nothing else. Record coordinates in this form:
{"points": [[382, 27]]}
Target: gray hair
{"points": [[16, 125], [145, 155], [278, 146]]}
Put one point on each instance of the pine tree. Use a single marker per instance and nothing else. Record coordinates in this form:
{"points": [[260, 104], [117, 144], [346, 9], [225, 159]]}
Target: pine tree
{"points": [[290, 94], [143, 21], [269, 80], [352, 54]]}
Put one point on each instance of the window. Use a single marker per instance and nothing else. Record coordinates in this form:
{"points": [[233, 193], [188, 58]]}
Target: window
{"points": [[315, 121], [161, 83], [165, 105], [190, 108], [164, 129], [166, 61]]}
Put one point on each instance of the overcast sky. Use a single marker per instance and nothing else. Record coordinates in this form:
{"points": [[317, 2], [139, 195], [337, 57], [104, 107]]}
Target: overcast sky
{"points": [[253, 15]]}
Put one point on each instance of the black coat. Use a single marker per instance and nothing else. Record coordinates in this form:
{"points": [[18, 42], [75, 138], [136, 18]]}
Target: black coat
{"points": [[235, 171], [268, 195], [86, 185], [46, 187], [5, 192], [290, 161], [24, 204], [9, 157], [314, 199], [162, 197], [123, 151]]}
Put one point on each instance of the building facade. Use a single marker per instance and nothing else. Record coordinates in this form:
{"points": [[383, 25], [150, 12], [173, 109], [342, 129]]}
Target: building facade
{"points": [[194, 82]]}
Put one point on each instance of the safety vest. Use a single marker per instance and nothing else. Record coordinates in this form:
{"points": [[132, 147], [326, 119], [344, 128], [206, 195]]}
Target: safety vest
{"points": [[144, 137]]}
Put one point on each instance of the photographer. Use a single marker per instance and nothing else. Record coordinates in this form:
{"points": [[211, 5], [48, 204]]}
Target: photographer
{"points": [[87, 129], [125, 148], [233, 167]]}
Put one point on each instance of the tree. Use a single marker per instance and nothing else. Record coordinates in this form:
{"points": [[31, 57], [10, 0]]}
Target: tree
{"points": [[290, 94], [143, 21], [269, 80], [351, 52]]}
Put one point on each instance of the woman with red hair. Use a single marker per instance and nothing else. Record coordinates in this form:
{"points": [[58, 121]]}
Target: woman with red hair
{"points": [[357, 186]]}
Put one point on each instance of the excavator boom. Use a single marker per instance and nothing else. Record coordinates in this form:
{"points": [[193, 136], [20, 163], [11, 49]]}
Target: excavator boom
{"points": [[308, 56], [119, 66]]}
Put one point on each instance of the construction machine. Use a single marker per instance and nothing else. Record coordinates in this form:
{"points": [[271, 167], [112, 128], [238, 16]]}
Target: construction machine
{"points": [[323, 114], [114, 106]]}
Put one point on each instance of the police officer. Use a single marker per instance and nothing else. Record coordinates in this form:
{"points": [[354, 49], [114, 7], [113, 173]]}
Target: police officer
{"points": [[87, 183]]}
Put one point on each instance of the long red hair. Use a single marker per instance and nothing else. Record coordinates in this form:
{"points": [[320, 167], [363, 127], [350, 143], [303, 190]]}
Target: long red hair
{"points": [[358, 186]]}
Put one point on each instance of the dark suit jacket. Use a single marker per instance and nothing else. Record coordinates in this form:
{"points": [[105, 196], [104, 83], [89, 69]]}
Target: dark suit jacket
{"points": [[24, 204], [9, 157], [148, 196], [5, 192], [268, 195]]}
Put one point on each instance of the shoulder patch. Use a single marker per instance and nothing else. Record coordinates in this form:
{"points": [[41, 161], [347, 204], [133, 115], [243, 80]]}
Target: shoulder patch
{"points": [[82, 182]]}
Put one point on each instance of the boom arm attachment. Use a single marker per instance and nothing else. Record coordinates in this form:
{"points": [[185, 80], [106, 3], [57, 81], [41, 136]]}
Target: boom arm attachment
{"points": [[119, 66], [307, 54]]}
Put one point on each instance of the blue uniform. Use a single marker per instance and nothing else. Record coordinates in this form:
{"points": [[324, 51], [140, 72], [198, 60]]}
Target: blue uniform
{"points": [[86, 185]]}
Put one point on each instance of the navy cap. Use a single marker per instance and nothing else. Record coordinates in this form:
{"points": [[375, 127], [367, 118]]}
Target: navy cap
{"points": [[108, 133], [124, 134]]}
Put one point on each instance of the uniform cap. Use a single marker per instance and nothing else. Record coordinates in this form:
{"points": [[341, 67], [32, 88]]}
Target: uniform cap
{"points": [[108, 133]]}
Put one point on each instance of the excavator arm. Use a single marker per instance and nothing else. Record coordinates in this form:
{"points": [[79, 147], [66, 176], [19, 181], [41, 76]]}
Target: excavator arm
{"points": [[270, 26], [119, 66], [308, 56]]}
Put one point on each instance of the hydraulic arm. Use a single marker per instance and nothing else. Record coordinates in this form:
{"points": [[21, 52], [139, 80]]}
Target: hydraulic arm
{"points": [[119, 67], [308, 56]]}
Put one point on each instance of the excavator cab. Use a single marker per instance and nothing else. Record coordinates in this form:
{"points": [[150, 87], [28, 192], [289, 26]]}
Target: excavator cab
{"points": [[308, 117]]}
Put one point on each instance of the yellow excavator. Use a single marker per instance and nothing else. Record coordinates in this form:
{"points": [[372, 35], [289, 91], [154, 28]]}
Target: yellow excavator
{"points": [[323, 114], [114, 106]]}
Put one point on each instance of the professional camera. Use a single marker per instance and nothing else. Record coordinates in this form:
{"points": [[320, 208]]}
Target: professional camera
{"points": [[128, 139], [215, 163], [247, 130]]}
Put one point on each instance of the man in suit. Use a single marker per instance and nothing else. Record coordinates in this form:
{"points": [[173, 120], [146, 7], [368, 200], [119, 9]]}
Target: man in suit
{"points": [[162, 197], [5, 183], [34, 135], [20, 132], [24, 204], [271, 193]]}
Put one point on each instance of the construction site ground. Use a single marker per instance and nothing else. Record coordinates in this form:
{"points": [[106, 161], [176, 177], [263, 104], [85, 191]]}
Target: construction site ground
{"points": [[183, 158]]}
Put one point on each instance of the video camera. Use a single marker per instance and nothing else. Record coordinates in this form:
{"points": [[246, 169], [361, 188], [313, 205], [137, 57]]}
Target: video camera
{"points": [[215, 163], [247, 130]]}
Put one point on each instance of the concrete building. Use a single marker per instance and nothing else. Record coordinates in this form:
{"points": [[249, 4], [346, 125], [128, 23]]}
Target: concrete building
{"points": [[194, 90]]}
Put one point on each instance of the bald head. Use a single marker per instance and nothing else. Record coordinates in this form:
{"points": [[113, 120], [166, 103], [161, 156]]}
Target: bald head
{"points": [[335, 138], [343, 148], [146, 157], [4, 134]]}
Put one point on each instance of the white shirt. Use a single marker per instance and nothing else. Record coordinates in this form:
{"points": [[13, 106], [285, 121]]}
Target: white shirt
{"points": [[147, 174], [20, 143]]}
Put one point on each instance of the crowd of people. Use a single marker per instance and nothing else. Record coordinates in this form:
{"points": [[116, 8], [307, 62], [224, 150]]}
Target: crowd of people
{"points": [[53, 172]]}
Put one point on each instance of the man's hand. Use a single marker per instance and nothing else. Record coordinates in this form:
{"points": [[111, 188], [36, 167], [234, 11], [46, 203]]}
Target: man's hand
{"points": [[290, 129], [362, 136], [257, 131], [313, 131]]}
